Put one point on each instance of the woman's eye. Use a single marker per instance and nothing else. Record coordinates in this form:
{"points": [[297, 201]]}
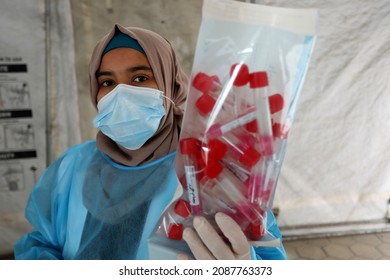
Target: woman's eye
{"points": [[106, 83], [140, 79]]}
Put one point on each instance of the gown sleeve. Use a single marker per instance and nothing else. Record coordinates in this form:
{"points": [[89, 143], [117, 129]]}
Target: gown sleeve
{"points": [[46, 212], [270, 253]]}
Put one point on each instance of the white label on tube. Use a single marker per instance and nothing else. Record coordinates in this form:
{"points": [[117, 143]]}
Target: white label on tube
{"points": [[192, 186]]}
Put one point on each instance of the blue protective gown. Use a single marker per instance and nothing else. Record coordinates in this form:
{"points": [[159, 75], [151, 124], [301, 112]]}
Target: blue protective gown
{"points": [[86, 206]]}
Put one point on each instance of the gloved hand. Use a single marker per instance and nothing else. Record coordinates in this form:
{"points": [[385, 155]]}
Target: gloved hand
{"points": [[206, 244]]}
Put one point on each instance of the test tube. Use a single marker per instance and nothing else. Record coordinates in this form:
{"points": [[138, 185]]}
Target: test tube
{"points": [[248, 120], [262, 182], [217, 130], [239, 73], [234, 190], [215, 199], [190, 148], [241, 146], [258, 82], [218, 201], [217, 151], [181, 211], [276, 104]]}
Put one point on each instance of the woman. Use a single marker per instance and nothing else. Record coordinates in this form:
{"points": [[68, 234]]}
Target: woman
{"points": [[102, 199]]}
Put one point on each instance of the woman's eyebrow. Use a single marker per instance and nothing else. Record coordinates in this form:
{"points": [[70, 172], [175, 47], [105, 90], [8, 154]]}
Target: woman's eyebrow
{"points": [[103, 73], [129, 70], [138, 68]]}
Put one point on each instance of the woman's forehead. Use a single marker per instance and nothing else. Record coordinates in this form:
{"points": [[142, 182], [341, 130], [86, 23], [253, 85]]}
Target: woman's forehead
{"points": [[122, 58]]}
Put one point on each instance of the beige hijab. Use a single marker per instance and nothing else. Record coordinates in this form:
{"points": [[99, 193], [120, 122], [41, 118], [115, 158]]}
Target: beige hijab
{"points": [[170, 78]]}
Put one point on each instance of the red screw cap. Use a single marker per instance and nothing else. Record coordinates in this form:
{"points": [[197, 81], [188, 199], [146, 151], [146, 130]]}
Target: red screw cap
{"points": [[189, 146], [182, 208], [258, 79], [276, 103], [250, 157], [252, 126], [175, 231], [242, 76], [204, 82], [217, 150], [255, 231], [213, 169], [205, 104]]}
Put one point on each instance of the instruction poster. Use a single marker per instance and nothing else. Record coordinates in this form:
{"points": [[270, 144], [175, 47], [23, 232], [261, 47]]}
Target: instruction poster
{"points": [[22, 113], [17, 141]]}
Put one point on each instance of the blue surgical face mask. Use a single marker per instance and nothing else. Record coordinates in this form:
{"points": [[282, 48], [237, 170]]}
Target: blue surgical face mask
{"points": [[130, 115]]}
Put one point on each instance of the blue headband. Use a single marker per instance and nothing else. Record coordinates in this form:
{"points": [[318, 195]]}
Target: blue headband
{"points": [[121, 40]]}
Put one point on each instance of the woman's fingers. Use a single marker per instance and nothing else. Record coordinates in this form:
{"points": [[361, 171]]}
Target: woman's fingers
{"points": [[234, 234], [212, 240], [206, 244], [198, 249]]}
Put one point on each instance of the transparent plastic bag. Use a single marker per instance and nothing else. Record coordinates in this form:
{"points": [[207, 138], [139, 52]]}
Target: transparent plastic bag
{"points": [[249, 68]]}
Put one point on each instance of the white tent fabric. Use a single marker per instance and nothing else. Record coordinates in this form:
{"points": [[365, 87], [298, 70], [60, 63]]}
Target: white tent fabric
{"points": [[63, 98], [337, 166]]}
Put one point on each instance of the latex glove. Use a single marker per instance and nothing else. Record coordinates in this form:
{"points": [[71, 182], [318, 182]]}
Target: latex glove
{"points": [[206, 244]]}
